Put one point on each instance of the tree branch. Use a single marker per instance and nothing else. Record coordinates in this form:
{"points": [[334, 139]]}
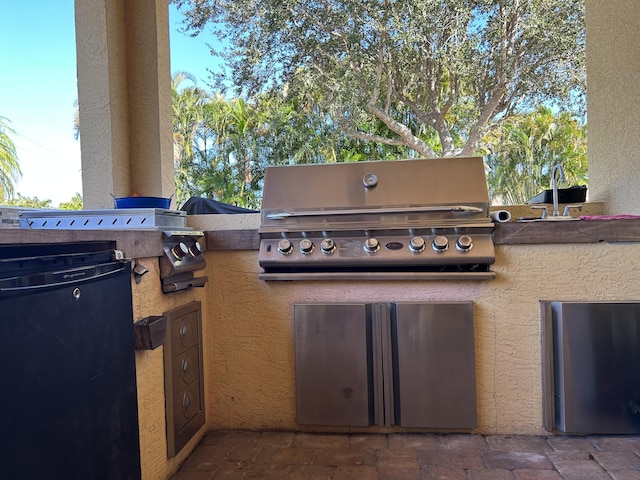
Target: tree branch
{"points": [[409, 139]]}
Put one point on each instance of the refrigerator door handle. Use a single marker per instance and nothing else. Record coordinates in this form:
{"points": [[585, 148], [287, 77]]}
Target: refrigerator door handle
{"points": [[54, 279]]}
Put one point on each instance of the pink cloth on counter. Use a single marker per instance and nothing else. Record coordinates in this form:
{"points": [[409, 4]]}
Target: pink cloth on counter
{"points": [[608, 217]]}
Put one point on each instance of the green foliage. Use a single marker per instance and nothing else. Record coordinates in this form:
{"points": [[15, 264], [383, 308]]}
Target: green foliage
{"points": [[523, 153], [453, 69], [222, 146], [74, 204], [187, 103], [9, 167], [34, 202], [28, 202]]}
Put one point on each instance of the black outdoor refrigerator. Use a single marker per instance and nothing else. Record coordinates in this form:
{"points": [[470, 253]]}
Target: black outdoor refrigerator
{"points": [[69, 404]]}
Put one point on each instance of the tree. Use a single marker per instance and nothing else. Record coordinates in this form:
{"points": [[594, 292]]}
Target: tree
{"points": [[74, 204], [28, 202], [457, 68], [522, 155], [187, 103], [9, 167]]}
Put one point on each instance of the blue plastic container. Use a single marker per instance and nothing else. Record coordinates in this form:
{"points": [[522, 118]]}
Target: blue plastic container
{"points": [[142, 202]]}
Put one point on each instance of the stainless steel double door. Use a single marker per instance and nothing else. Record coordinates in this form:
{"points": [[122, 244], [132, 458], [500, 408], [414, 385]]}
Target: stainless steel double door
{"points": [[407, 364]]}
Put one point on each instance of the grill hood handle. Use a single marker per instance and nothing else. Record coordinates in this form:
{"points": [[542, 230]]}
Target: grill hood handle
{"points": [[462, 209]]}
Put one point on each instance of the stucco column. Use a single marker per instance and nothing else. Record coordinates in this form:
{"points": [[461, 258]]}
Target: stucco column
{"points": [[613, 103], [124, 96]]}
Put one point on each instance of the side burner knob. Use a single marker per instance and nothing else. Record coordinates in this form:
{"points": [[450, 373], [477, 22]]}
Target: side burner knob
{"points": [[327, 246], [195, 250], [416, 244], [285, 247], [180, 250], [371, 245], [464, 243], [440, 243], [306, 246]]}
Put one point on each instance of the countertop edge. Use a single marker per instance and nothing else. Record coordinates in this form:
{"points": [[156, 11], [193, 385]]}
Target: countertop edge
{"points": [[579, 231], [134, 243], [141, 244], [510, 233]]}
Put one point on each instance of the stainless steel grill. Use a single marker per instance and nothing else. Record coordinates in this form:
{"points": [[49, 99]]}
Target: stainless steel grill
{"points": [[406, 219]]}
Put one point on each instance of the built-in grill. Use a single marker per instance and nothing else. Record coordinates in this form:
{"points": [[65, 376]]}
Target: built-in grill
{"points": [[404, 219]]}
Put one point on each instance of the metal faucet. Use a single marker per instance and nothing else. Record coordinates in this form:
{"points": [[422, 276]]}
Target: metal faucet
{"points": [[554, 187]]}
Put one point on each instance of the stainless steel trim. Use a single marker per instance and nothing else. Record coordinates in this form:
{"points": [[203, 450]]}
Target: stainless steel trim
{"points": [[378, 276], [171, 285], [354, 229], [108, 219], [358, 211], [387, 365], [378, 377], [548, 388]]}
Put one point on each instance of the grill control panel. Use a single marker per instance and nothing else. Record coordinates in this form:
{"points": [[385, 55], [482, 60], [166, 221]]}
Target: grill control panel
{"points": [[182, 256], [378, 250]]}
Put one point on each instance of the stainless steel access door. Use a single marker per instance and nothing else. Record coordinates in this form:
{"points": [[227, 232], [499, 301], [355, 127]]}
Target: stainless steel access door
{"points": [[592, 367], [434, 365], [334, 364]]}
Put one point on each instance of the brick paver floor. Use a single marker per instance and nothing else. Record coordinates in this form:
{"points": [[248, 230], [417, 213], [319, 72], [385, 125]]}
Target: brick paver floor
{"points": [[239, 455]]}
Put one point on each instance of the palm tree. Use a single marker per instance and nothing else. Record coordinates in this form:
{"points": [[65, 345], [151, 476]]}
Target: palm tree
{"points": [[187, 105], [523, 152], [74, 204], [9, 168]]}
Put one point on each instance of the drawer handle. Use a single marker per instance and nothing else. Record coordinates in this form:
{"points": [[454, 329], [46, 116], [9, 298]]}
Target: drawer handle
{"points": [[186, 400], [185, 365], [184, 330]]}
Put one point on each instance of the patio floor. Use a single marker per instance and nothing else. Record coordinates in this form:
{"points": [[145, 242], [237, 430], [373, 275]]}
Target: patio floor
{"points": [[401, 456]]}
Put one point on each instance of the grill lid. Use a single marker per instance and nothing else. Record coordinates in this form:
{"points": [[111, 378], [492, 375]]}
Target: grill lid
{"points": [[366, 194]]}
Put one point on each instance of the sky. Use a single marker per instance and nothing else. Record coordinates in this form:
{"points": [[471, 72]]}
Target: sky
{"points": [[38, 88]]}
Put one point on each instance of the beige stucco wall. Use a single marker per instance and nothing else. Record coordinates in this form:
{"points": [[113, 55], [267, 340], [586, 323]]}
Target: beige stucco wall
{"points": [[124, 96], [251, 366], [149, 300], [613, 100]]}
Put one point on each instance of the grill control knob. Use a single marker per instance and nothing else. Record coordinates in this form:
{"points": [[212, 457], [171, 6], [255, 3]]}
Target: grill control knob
{"points": [[306, 246], [180, 250], [285, 247], [440, 243], [371, 245], [416, 244], [195, 249], [464, 243], [327, 246]]}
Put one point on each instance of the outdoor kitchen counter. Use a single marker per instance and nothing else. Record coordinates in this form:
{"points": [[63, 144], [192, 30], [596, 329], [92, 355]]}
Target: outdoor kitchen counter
{"points": [[134, 243], [140, 243], [511, 233]]}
